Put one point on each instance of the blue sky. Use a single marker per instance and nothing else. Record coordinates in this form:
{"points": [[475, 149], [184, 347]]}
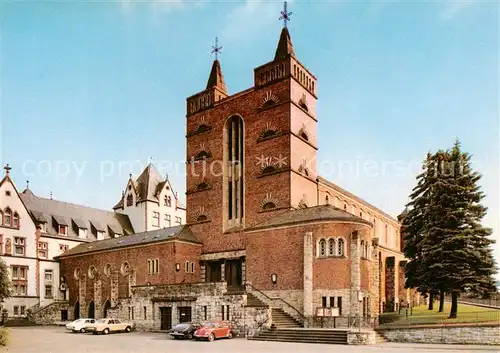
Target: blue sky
{"points": [[90, 89]]}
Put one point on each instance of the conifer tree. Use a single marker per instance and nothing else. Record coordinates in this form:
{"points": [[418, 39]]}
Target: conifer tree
{"points": [[458, 248], [4, 281]]}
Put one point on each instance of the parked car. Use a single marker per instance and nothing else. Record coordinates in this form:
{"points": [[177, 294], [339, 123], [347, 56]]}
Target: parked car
{"points": [[184, 330], [109, 325], [213, 330], [79, 325]]}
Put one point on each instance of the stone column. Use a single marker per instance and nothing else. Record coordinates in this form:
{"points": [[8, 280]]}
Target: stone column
{"points": [[98, 299], [202, 272], [396, 284], [82, 291], [375, 288], [308, 277], [114, 289], [355, 309], [390, 282], [404, 293]]}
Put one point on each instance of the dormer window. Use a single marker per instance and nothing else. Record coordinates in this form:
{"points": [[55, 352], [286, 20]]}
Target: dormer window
{"points": [[100, 235], [130, 200], [63, 230], [168, 201]]}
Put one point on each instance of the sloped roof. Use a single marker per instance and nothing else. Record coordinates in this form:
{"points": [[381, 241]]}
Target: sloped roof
{"points": [[147, 183], [181, 232], [41, 208], [310, 214], [216, 78], [285, 47]]}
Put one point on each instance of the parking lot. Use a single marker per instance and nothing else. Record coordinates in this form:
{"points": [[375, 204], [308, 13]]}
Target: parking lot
{"points": [[57, 340]]}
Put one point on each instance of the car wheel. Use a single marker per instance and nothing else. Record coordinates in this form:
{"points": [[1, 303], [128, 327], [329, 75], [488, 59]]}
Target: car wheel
{"points": [[190, 336], [106, 331], [211, 337], [82, 330], [74, 331], [229, 334], [128, 329]]}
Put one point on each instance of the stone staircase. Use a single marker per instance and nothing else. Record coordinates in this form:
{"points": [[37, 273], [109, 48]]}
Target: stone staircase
{"points": [[253, 301], [302, 335], [379, 337], [49, 314], [280, 319]]}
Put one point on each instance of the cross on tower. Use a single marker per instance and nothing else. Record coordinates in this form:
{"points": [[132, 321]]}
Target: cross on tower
{"points": [[216, 49], [285, 15]]}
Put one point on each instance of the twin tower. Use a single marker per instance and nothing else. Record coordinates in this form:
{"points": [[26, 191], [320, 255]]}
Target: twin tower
{"points": [[251, 155]]}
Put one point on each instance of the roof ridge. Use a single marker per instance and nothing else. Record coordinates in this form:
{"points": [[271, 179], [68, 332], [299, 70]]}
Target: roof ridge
{"points": [[72, 204]]}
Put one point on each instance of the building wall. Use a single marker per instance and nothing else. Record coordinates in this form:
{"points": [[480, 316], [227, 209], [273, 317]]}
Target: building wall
{"points": [[27, 231], [168, 254]]}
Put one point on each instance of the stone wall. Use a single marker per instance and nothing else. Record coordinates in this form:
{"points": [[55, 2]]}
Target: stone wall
{"points": [[463, 334], [49, 314], [144, 307], [361, 337]]}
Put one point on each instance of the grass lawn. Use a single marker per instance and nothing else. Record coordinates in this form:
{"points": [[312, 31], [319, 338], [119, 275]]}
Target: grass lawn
{"points": [[421, 316]]}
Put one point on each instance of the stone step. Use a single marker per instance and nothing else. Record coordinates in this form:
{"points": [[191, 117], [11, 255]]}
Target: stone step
{"points": [[253, 301], [300, 340], [303, 336]]}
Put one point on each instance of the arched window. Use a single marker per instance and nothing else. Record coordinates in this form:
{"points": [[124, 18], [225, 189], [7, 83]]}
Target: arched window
{"points": [[345, 206], [234, 193], [367, 250], [327, 200], [130, 200], [15, 220], [8, 217], [125, 269], [340, 247], [322, 247], [331, 247], [363, 254]]}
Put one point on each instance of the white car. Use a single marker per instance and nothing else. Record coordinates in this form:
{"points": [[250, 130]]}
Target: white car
{"points": [[79, 325], [106, 326]]}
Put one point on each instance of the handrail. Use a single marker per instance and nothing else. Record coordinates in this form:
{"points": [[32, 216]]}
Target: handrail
{"points": [[276, 298]]}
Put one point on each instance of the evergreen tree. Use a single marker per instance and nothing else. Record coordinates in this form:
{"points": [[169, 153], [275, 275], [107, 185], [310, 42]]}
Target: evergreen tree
{"points": [[414, 225], [457, 247]]}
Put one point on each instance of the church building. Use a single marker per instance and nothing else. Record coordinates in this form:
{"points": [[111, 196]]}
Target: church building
{"points": [[266, 241]]}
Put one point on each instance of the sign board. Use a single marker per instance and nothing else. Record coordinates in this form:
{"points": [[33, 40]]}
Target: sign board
{"points": [[327, 312]]}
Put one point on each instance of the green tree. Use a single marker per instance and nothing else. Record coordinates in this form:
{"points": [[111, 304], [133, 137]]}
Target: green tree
{"points": [[416, 271], [458, 247], [4, 281]]}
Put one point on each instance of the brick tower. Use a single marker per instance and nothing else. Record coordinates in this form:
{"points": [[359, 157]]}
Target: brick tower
{"points": [[252, 154]]}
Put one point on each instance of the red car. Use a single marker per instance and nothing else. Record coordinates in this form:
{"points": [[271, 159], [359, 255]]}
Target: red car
{"points": [[212, 330]]}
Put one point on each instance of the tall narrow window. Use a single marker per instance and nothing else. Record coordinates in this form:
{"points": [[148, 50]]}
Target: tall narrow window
{"points": [[234, 172]]}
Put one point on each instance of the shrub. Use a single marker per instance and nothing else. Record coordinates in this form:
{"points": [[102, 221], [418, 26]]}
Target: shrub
{"points": [[4, 336]]}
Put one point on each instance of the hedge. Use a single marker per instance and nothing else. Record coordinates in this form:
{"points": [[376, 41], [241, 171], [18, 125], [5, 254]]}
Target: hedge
{"points": [[4, 336]]}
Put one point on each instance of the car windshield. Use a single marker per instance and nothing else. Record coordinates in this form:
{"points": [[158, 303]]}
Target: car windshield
{"points": [[208, 324], [78, 321], [101, 321], [181, 326]]}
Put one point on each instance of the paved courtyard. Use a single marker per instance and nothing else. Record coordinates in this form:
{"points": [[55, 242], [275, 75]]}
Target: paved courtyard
{"points": [[57, 340]]}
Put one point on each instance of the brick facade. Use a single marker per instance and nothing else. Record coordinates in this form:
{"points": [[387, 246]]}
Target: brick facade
{"points": [[280, 124]]}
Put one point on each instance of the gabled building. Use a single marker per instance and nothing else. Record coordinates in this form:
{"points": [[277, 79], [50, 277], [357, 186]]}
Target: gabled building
{"points": [[34, 231], [150, 202]]}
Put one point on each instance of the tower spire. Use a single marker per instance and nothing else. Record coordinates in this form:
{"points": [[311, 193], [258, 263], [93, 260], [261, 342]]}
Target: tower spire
{"points": [[216, 79]]}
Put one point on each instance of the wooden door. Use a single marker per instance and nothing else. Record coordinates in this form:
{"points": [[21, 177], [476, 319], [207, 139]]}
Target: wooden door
{"points": [[166, 318], [233, 274]]}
